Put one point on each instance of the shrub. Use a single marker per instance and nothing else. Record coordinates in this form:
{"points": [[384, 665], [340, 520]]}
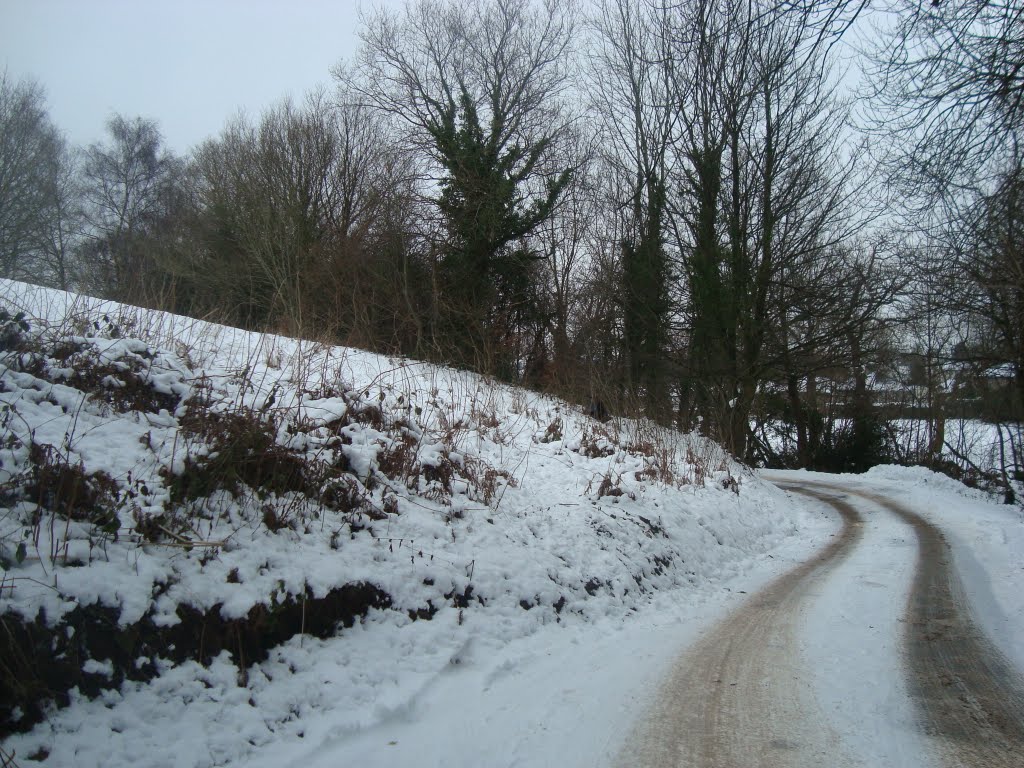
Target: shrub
{"points": [[70, 492]]}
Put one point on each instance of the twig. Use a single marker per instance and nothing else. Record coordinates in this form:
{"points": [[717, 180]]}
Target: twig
{"points": [[182, 541], [963, 457], [7, 759]]}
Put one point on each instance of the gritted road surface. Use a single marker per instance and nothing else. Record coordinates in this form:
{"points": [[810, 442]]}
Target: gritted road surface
{"points": [[741, 696], [970, 698]]}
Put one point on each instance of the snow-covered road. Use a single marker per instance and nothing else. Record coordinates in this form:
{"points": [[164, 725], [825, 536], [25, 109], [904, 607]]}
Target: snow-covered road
{"points": [[868, 654], [741, 694]]}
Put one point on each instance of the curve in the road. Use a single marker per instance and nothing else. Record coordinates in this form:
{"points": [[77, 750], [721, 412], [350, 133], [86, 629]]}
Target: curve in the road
{"points": [[736, 698], [971, 698], [739, 697]]}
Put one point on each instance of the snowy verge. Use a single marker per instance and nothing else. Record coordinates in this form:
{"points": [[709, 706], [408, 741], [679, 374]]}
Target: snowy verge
{"points": [[427, 695]]}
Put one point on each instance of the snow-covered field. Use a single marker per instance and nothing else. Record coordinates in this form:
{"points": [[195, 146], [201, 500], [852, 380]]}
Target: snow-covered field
{"points": [[539, 568], [972, 445], [967, 442]]}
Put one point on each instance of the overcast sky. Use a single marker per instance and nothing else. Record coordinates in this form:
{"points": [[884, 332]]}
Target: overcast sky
{"points": [[189, 64]]}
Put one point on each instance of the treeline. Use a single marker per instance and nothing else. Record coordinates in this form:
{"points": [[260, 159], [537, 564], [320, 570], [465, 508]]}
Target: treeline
{"points": [[663, 208]]}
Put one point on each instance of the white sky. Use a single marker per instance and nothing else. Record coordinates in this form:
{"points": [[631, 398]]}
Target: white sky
{"points": [[189, 64]]}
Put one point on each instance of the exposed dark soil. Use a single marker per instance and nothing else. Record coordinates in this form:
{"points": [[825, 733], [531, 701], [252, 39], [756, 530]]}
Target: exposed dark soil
{"points": [[40, 664]]}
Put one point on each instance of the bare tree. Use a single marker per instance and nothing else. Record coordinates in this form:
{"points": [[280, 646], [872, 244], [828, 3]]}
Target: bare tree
{"points": [[565, 240], [983, 280], [950, 89], [60, 234], [835, 323], [632, 96], [33, 170], [761, 191], [291, 210], [477, 85], [271, 196], [124, 184], [377, 270]]}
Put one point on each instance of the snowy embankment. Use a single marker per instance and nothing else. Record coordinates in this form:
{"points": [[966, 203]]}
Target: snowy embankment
{"points": [[188, 504]]}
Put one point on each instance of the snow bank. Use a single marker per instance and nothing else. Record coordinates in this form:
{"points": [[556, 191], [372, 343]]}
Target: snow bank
{"points": [[487, 513]]}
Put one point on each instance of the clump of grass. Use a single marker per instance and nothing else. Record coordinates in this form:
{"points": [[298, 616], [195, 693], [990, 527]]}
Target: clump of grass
{"points": [[123, 385], [597, 442], [242, 451], [122, 380], [485, 480], [13, 331], [52, 497], [237, 451], [553, 433], [69, 491], [611, 485]]}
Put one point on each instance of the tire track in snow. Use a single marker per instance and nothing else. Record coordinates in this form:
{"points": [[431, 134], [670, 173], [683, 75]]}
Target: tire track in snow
{"points": [[739, 697], [970, 696]]}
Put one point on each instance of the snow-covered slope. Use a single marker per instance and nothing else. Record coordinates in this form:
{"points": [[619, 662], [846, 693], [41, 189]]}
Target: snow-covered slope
{"points": [[174, 476]]}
